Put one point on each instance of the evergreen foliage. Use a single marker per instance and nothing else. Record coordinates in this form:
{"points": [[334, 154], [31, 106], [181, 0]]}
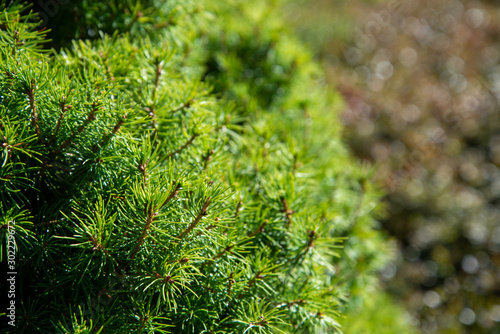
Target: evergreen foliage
{"points": [[180, 173]]}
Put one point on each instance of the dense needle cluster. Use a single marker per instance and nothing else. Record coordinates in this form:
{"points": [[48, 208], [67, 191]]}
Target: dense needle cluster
{"points": [[181, 171]]}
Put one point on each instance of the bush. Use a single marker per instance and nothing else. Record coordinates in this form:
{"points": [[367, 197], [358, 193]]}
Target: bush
{"points": [[180, 171], [422, 101]]}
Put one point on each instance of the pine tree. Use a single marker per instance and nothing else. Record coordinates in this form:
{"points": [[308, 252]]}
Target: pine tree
{"points": [[180, 171]]}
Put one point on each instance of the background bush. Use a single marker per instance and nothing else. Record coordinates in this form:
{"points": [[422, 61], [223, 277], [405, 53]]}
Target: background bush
{"points": [[420, 85]]}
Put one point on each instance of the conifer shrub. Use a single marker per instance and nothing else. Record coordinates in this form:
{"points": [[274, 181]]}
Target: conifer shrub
{"points": [[179, 172]]}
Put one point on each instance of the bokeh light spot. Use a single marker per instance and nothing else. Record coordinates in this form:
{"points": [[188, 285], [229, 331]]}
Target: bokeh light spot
{"points": [[432, 299], [474, 17], [470, 264], [408, 56], [467, 316]]}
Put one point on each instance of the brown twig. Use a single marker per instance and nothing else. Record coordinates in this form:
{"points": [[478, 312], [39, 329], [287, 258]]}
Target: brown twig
{"points": [[238, 207], [179, 150], [195, 222], [207, 158], [209, 227], [218, 256], [259, 230], [151, 214], [287, 211], [312, 236], [113, 132], [90, 117], [230, 283], [34, 113], [142, 167], [181, 106], [172, 194], [64, 108]]}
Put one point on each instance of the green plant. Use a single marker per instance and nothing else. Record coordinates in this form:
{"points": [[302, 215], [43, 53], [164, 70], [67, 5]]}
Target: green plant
{"points": [[180, 173]]}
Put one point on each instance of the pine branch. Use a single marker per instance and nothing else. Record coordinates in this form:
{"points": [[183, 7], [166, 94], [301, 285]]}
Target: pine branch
{"points": [[219, 255], [97, 245], [238, 207], [258, 276], [142, 168], [230, 283], [179, 150], [34, 113], [255, 278], [158, 72], [151, 214], [181, 106], [172, 194], [47, 223], [207, 158], [312, 236], [287, 211], [310, 244], [90, 117], [298, 302], [113, 132], [16, 42], [195, 222], [64, 108], [224, 251], [259, 230], [152, 107], [209, 227]]}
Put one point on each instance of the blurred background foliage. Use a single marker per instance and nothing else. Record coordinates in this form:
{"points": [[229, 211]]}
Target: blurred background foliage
{"points": [[421, 84]]}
